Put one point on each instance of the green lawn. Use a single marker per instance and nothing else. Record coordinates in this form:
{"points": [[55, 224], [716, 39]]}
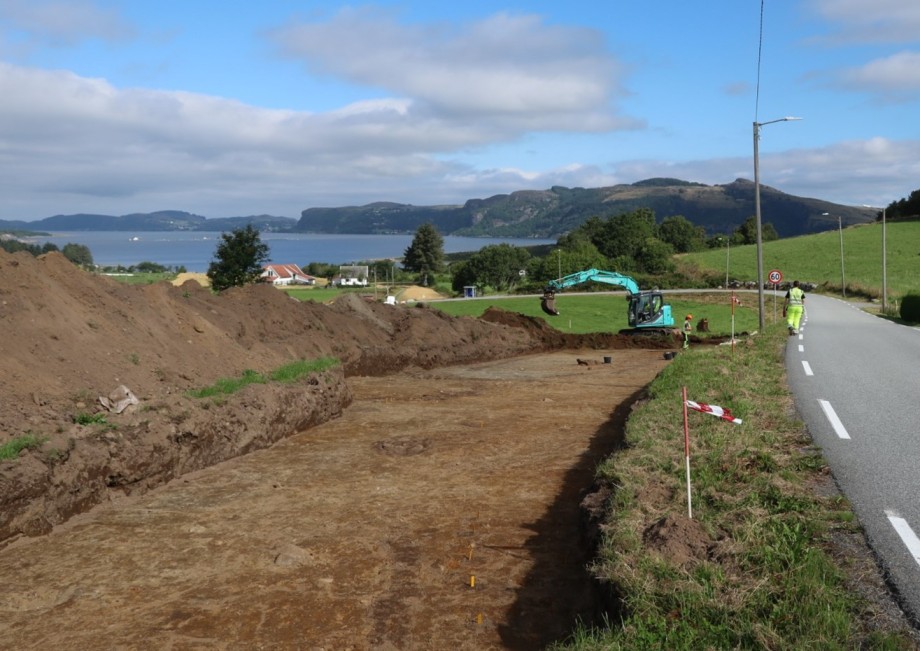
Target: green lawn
{"points": [[141, 278], [325, 294], [581, 313]]}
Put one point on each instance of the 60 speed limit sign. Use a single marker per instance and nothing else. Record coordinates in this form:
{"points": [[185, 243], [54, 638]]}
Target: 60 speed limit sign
{"points": [[776, 277]]}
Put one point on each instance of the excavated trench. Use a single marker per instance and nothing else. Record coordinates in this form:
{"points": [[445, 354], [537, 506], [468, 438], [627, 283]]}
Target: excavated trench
{"points": [[266, 517]]}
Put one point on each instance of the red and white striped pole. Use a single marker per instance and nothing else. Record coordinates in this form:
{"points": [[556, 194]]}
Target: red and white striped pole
{"points": [[687, 453]]}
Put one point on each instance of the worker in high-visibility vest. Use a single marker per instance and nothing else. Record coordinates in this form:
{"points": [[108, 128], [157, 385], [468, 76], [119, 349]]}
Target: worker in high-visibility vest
{"points": [[793, 307]]}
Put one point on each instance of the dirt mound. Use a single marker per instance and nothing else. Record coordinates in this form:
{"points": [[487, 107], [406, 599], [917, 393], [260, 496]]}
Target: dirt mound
{"points": [[679, 539], [68, 337], [201, 279], [552, 338], [417, 293]]}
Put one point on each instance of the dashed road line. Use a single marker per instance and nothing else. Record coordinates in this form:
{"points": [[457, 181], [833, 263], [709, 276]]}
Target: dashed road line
{"points": [[834, 420], [801, 348], [807, 368], [908, 537]]}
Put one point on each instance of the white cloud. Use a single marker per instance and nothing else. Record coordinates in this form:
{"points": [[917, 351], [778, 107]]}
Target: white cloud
{"points": [[85, 144], [72, 144], [512, 71], [91, 142], [60, 23], [897, 75], [876, 171], [866, 21]]}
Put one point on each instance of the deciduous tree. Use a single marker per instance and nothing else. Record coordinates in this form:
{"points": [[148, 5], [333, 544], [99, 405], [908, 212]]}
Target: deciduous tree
{"points": [[682, 234], [497, 265], [79, 254], [747, 232]]}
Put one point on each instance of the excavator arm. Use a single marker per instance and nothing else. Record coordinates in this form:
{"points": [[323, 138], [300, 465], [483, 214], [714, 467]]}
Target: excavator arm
{"points": [[645, 311], [595, 275], [548, 303]]}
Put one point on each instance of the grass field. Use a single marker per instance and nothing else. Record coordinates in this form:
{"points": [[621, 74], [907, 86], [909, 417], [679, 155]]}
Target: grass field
{"points": [[142, 278], [325, 294], [594, 312], [816, 258]]}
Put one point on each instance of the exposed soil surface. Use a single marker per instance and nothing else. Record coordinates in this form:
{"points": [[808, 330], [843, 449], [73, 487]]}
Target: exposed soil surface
{"points": [[466, 450], [441, 511]]}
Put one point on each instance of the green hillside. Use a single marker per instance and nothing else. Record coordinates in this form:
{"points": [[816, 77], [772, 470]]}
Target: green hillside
{"points": [[559, 210], [816, 259]]}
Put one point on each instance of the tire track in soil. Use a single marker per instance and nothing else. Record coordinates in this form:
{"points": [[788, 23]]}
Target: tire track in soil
{"points": [[361, 533]]}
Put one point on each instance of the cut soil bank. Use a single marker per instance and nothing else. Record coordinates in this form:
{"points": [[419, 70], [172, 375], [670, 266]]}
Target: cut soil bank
{"points": [[68, 337], [440, 511]]}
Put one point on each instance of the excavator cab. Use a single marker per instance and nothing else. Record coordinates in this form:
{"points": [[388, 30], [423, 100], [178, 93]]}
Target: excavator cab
{"points": [[648, 310]]}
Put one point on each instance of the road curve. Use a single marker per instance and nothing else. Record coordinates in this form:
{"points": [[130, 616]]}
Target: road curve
{"points": [[856, 381]]}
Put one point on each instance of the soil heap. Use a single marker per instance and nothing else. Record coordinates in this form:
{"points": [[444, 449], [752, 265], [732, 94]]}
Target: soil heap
{"points": [[69, 338]]}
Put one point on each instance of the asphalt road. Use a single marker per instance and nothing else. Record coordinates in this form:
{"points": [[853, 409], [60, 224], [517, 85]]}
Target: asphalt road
{"points": [[856, 380]]}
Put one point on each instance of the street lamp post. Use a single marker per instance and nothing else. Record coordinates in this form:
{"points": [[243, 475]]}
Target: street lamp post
{"points": [[843, 281], [757, 126], [884, 260], [843, 278], [884, 266]]}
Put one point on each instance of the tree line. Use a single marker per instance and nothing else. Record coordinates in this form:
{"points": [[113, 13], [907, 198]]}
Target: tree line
{"points": [[631, 243], [79, 254]]}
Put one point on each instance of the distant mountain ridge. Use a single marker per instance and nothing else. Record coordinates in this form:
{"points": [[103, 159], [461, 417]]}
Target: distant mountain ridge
{"points": [[551, 213], [522, 214], [163, 220]]}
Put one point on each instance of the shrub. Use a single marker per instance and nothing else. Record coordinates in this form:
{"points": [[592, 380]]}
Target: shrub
{"points": [[910, 307]]}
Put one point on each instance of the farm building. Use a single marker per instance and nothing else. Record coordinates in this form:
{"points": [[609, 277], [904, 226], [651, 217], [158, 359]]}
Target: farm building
{"points": [[286, 274], [351, 276]]}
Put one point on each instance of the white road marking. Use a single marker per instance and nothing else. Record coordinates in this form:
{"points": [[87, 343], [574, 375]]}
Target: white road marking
{"points": [[832, 417], [807, 367], [801, 348], [801, 337], [908, 537]]}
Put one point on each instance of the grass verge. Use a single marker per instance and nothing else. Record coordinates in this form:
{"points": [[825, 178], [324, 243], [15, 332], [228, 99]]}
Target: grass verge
{"points": [[754, 568], [12, 448], [285, 374]]}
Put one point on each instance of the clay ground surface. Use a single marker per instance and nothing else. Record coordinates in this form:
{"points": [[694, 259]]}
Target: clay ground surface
{"points": [[361, 533]]}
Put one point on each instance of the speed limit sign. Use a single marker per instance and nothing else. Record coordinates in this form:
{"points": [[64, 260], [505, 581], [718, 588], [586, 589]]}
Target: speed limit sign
{"points": [[776, 277]]}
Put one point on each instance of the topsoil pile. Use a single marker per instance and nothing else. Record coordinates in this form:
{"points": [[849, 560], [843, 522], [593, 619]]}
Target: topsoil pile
{"points": [[69, 338]]}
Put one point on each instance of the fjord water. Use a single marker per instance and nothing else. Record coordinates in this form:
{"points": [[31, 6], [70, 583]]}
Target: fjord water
{"points": [[195, 249]]}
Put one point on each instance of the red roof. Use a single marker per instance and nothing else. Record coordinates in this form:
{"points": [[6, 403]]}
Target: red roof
{"points": [[284, 271]]}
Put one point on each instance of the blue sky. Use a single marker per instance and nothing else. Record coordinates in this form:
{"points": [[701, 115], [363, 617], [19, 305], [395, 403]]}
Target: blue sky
{"points": [[227, 109]]}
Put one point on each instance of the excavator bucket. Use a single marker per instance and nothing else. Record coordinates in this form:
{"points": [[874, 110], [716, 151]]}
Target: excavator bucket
{"points": [[548, 303]]}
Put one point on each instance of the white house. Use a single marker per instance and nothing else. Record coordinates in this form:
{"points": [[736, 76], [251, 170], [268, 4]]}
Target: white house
{"points": [[351, 276], [285, 274]]}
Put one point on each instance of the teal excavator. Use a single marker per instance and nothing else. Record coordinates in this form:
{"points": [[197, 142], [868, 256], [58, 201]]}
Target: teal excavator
{"points": [[647, 312]]}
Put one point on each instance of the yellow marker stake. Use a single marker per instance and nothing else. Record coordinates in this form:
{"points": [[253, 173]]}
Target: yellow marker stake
{"points": [[471, 553], [479, 618], [472, 581]]}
